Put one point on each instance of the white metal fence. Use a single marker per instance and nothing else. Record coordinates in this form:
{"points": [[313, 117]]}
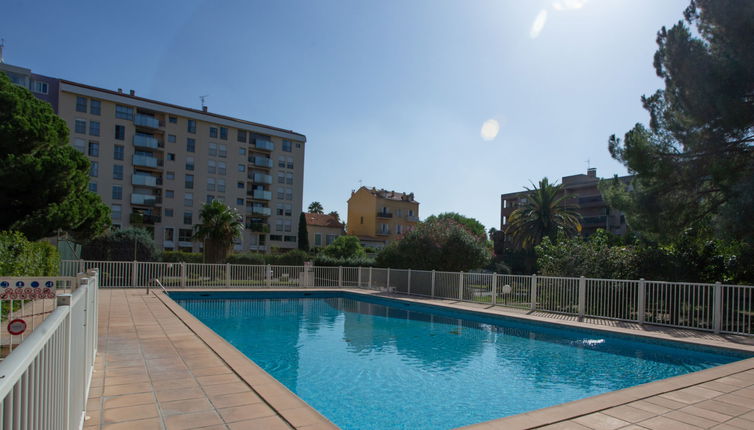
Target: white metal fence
{"points": [[44, 382], [714, 307]]}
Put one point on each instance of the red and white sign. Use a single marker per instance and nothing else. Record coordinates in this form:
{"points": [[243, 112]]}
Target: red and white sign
{"points": [[17, 326]]}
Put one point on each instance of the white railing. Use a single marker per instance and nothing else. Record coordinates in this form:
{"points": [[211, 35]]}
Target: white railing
{"points": [[713, 307], [44, 382]]}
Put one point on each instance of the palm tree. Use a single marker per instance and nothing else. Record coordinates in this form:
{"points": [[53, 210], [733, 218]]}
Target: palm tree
{"points": [[545, 212], [316, 208], [220, 225]]}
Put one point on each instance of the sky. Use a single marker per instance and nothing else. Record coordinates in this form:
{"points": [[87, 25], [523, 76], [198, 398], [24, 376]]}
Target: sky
{"points": [[455, 101]]}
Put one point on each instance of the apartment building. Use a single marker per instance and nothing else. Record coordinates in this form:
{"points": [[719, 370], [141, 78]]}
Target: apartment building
{"points": [[595, 211], [379, 217], [155, 164], [323, 229]]}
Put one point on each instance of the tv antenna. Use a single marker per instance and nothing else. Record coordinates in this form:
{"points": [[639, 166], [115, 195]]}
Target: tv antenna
{"points": [[588, 164], [203, 99]]}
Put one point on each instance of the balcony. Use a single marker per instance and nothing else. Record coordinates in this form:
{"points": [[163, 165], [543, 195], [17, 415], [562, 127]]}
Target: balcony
{"points": [[411, 218], [145, 199], [143, 219], [260, 194], [147, 161], [264, 145], [261, 161], [383, 233], [259, 210], [258, 227], [384, 215], [257, 248], [143, 141], [260, 178], [146, 121], [146, 180]]}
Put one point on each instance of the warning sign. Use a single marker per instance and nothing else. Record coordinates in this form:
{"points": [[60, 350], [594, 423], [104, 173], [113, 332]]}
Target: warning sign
{"points": [[17, 326]]}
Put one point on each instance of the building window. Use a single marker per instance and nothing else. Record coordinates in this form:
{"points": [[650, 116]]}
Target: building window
{"points": [[397, 229], [93, 187], [80, 145], [221, 169], [317, 239], [189, 163], [116, 211], [81, 104], [279, 225], [289, 178], [124, 112], [281, 162], [171, 138], [410, 212], [169, 234], [168, 212], [281, 178], [93, 149], [169, 194], [288, 225], [40, 87], [362, 220], [213, 132], [188, 199], [171, 156], [191, 126], [239, 202], [221, 185], [120, 132], [118, 171], [187, 218], [287, 146], [223, 151], [242, 136], [242, 151], [211, 167], [223, 133], [289, 193], [212, 149], [189, 182], [94, 169], [95, 107], [289, 162], [173, 120], [241, 167], [288, 210], [279, 209], [80, 126], [211, 184], [184, 234], [94, 128], [190, 145], [281, 193], [240, 185], [330, 239], [170, 176], [117, 192]]}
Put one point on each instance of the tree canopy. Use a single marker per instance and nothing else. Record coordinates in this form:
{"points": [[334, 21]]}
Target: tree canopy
{"points": [[472, 224], [694, 163], [122, 245], [219, 226], [345, 247], [43, 179], [316, 208]]}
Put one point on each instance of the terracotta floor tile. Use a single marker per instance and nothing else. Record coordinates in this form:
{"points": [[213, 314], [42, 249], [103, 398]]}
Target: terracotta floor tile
{"points": [[267, 423], [235, 399], [129, 413], [149, 424], [192, 421], [129, 400], [601, 421], [245, 412], [185, 406], [179, 394], [115, 390]]}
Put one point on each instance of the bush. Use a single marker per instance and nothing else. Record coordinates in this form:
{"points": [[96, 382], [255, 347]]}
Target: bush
{"points": [[294, 257], [345, 247], [122, 245], [593, 258], [252, 258], [324, 260], [180, 257], [19, 257]]}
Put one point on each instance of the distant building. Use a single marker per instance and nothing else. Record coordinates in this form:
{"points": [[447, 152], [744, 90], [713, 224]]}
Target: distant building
{"points": [[379, 217], [323, 229], [593, 208]]}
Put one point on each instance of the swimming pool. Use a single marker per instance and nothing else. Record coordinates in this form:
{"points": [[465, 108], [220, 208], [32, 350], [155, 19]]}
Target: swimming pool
{"points": [[375, 363]]}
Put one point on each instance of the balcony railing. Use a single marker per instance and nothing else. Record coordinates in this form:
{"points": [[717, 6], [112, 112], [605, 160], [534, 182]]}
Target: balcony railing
{"points": [[384, 215], [261, 178], [261, 161], [146, 121], [261, 194], [259, 227], [383, 232], [265, 145], [147, 180], [147, 161], [145, 199], [147, 142], [259, 210], [144, 219], [411, 218]]}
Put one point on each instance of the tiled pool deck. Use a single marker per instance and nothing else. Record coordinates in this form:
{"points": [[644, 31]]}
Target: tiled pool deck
{"points": [[159, 368]]}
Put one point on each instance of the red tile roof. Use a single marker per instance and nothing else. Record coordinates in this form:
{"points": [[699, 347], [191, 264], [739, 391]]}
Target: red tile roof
{"points": [[322, 220]]}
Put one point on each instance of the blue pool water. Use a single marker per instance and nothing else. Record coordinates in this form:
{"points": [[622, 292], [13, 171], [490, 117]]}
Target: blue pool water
{"points": [[375, 363]]}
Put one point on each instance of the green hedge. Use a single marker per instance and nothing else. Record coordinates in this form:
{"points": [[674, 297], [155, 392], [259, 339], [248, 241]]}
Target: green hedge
{"points": [[181, 257], [253, 258], [324, 260], [19, 257]]}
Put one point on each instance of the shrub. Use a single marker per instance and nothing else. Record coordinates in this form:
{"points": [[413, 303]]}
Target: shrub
{"points": [[180, 257], [122, 245], [19, 257], [345, 247], [253, 258], [294, 257], [324, 260]]}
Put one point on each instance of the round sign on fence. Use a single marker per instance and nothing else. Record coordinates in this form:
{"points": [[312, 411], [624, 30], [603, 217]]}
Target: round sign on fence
{"points": [[506, 289], [17, 326]]}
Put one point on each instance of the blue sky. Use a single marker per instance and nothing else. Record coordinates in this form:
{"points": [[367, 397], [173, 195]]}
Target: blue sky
{"points": [[389, 93]]}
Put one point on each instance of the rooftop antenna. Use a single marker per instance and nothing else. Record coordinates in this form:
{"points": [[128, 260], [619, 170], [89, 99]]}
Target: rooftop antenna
{"points": [[359, 183], [2, 45], [203, 98], [588, 164]]}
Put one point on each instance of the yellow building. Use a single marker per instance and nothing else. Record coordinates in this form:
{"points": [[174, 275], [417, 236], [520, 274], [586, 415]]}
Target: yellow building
{"points": [[379, 217]]}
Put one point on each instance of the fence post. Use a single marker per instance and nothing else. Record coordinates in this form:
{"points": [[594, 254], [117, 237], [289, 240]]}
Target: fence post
{"points": [[227, 275], [359, 280], [494, 289], [134, 274], [641, 305], [65, 300], [533, 305], [409, 282], [432, 290], [717, 308], [460, 286], [340, 276], [387, 282], [369, 281], [582, 297], [268, 276], [183, 275]]}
